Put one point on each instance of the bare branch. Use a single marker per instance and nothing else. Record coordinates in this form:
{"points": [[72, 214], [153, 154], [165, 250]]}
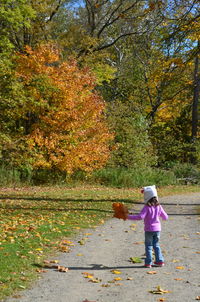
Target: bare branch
{"points": [[109, 21]]}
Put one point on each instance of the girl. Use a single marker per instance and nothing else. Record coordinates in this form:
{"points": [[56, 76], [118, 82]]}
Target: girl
{"points": [[152, 226]]}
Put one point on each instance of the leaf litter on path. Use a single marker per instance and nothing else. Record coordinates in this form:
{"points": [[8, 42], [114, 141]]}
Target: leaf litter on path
{"points": [[159, 291]]}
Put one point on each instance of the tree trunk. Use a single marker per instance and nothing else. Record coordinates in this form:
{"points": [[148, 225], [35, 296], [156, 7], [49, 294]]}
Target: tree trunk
{"points": [[195, 105], [195, 99]]}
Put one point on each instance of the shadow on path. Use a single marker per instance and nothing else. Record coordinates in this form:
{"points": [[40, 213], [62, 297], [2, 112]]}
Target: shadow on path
{"points": [[95, 267]]}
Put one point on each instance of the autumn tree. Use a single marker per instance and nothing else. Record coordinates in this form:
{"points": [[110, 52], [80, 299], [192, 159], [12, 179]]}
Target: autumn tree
{"points": [[67, 128]]}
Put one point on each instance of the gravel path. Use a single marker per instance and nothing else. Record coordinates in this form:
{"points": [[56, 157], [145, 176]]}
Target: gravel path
{"points": [[110, 246]]}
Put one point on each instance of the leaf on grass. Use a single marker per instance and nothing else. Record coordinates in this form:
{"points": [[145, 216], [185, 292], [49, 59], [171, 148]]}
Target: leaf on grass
{"points": [[40, 270], [67, 242], [64, 248], [115, 272]]}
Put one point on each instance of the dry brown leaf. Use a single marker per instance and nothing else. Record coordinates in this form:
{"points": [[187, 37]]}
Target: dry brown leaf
{"points": [[129, 278], [152, 272], [64, 248], [198, 298], [95, 280], [40, 270], [62, 269]]}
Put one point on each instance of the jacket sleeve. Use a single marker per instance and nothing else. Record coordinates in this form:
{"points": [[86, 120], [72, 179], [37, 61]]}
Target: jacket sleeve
{"points": [[140, 216], [163, 214]]}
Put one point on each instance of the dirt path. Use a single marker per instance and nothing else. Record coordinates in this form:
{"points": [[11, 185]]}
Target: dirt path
{"points": [[110, 246]]}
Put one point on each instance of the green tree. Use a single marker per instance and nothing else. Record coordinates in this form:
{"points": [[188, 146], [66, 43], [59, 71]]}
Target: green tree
{"points": [[133, 148]]}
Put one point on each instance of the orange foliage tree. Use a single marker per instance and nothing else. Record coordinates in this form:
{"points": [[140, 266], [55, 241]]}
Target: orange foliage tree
{"points": [[69, 130]]}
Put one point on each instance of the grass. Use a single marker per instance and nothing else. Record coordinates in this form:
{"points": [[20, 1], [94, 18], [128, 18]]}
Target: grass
{"points": [[36, 221]]}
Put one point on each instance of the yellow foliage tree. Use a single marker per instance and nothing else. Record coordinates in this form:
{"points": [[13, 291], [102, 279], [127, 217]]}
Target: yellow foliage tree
{"points": [[70, 131]]}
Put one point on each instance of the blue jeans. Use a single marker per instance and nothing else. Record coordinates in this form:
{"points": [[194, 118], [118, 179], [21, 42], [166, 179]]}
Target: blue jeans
{"points": [[152, 242]]}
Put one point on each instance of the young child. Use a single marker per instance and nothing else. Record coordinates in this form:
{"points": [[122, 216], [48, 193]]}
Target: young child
{"points": [[150, 213]]}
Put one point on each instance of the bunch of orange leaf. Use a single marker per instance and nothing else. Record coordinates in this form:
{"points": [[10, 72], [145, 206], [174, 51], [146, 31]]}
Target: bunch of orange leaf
{"points": [[120, 210]]}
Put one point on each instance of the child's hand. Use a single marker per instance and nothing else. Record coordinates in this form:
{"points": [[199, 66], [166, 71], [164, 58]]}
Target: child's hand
{"points": [[120, 210]]}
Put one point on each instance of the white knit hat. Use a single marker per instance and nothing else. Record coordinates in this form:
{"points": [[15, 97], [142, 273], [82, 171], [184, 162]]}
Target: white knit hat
{"points": [[149, 192]]}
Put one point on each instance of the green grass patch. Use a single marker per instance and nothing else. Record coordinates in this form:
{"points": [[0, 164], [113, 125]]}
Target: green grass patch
{"points": [[36, 220]]}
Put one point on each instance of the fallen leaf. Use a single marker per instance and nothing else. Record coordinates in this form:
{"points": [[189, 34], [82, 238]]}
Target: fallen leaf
{"points": [[86, 273], [152, 272], [178, 279], [175, 260], [116, 272], [86, 300], [129, 278], [40, 270], [54, 261], [105, 285], [89, 276], [67, 242], [117, 279], [159, 291], [62, 269], [198, 298], [79, 254], [64, 248], [162, 299], [180, 267], [95, 280], [135, 260]]}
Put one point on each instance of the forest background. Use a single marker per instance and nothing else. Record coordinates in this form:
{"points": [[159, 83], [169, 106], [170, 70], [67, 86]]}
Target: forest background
{"points": [[103, 91]]}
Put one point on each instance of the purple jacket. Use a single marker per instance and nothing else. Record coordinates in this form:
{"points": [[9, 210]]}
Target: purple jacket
{"points": [[150, 215]]}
